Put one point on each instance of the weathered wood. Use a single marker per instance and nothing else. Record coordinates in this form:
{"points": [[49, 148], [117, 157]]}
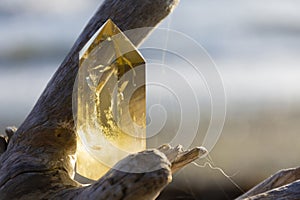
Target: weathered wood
{"points": [[287, 192], [285, 184], [145, 175], [179, 158], [3, 144], [274, 182], [39, 160]]}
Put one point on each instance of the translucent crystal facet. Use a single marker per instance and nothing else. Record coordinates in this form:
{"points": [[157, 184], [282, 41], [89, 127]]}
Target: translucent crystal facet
{"points": [[110, 119]]}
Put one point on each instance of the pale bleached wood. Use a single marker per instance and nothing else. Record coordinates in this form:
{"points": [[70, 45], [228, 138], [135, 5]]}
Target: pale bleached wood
{"points": [[146, 174], [39, 160], [179, 157]]}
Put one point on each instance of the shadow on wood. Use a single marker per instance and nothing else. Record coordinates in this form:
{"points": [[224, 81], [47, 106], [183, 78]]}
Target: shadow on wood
{"points": [[37, 160]]}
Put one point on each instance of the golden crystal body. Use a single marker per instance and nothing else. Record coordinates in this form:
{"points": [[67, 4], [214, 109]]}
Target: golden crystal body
{"points": [[111, 103]]}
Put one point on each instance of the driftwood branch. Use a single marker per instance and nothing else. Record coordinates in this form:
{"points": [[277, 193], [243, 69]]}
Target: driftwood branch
{"points": [[285, 184], [38, 162], [135, 183], [290, 191]]}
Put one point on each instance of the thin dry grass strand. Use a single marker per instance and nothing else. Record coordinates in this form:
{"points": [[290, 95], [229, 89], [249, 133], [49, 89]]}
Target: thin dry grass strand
{"points": [[211, 165]]}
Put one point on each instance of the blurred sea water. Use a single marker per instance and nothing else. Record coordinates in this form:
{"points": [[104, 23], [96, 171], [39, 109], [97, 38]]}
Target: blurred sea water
{"points": [[255, 45]]}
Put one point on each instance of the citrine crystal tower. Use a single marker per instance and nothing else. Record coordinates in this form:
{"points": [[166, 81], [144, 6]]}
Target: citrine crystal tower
{"points": [[111, 103]]}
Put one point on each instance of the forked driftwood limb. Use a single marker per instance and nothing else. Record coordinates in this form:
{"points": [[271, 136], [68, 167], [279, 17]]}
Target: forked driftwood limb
{"points": [[38, 162]]}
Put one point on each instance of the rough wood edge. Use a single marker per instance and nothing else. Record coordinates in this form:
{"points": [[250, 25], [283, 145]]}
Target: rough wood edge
{"points": [[282, 185], [39, 160], [290, 191], [138, 176]]}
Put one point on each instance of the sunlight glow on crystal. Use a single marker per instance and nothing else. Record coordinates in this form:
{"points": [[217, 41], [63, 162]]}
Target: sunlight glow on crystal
{"points": [[111, 103]]}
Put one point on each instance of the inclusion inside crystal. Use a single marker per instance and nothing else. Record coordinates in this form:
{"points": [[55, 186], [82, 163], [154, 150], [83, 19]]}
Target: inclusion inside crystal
{"points": [[111, 102]]}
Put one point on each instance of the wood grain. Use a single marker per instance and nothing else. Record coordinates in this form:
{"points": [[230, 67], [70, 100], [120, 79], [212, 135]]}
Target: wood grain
{"points": [[39, 160]]}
